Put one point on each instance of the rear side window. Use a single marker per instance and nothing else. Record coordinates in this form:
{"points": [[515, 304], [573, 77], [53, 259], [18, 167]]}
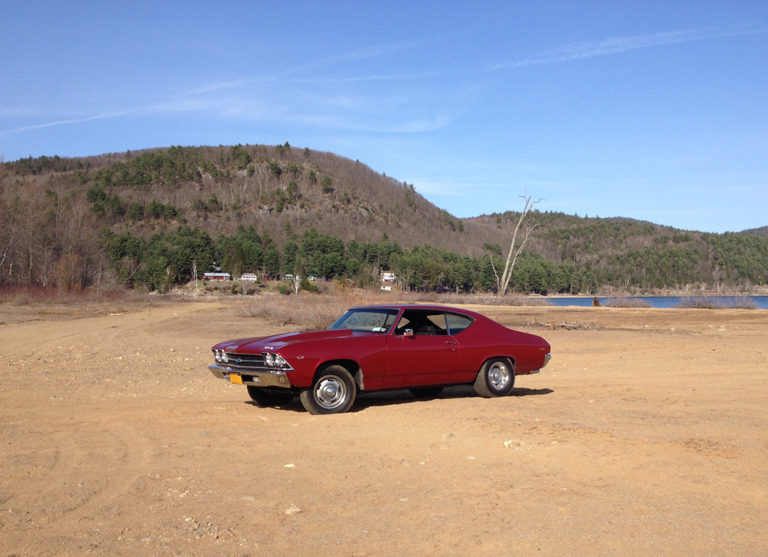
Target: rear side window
{"points": [[457, 323], [422, 322]]}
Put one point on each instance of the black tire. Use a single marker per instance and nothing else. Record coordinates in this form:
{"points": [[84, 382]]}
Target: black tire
{"points": [[495, 378], [426, 393], [269, 397], [333, 392]]}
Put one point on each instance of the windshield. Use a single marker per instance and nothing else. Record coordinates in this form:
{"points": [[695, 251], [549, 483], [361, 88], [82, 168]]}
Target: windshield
{"points": [[368, 320]]}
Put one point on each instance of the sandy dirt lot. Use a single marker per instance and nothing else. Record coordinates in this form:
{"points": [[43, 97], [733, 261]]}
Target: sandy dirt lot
{"points": [[646, 435]]}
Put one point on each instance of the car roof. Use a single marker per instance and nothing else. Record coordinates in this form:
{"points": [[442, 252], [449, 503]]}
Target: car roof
{"points": [[419, 306]]}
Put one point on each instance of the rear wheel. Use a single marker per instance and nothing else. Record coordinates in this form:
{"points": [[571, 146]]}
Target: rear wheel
{"points": [[333, 392], [495, 378], [267, 397]]}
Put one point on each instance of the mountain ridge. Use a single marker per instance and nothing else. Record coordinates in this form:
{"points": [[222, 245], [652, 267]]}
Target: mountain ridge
{"points": [[60, 208]]}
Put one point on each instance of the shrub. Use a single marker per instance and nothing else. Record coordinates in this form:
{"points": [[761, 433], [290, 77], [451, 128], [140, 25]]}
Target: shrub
{"points": [[626, 303], [308, 286]]}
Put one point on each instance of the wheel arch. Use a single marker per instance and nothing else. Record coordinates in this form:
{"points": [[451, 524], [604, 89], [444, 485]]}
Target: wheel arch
{"points": [[351, 366], [510, 360]]}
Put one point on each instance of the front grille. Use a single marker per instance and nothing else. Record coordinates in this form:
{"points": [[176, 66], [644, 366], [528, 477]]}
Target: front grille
{"points": [[249, 362], [244, 361]]}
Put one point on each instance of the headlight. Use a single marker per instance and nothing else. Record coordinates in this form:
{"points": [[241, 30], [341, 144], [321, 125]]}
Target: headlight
{"points": [[280, 361], [275, 360]]}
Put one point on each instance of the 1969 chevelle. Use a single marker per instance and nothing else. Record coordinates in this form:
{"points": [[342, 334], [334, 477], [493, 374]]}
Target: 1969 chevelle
{"points": [[421, 348]]}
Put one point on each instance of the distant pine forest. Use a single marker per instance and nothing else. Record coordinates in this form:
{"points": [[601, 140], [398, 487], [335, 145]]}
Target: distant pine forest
{"points": [[152, 219]]}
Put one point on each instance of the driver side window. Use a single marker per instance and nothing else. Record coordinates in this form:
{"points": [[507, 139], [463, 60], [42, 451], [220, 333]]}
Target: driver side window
{"points": [[422, 322]]}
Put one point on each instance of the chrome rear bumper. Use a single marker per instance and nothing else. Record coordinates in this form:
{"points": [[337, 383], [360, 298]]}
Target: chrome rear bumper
{"points": [[547, 357]]}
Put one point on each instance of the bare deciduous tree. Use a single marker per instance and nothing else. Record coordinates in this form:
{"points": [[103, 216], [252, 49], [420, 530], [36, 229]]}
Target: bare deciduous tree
{"points": [[503, 283]]}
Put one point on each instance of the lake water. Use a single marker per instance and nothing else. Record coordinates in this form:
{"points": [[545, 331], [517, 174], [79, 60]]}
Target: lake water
{"points": [[758, 302]]}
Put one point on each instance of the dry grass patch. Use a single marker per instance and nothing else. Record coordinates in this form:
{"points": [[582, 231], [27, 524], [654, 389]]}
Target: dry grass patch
{"points": [[708, 303], [308, 311], [317, 311]]}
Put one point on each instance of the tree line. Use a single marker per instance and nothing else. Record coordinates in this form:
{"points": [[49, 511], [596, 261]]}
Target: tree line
{"points": [[70, 258], [170, 258]]}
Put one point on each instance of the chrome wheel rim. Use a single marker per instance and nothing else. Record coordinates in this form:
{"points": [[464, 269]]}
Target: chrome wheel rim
{"points": [[498, 376], [330, 392]]}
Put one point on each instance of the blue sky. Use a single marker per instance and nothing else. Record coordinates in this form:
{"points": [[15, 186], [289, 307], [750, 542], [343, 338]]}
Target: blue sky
{"points": [[650, 110]]}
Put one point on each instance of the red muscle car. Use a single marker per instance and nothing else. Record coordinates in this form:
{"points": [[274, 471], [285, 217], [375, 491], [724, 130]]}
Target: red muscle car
{"points": [[421, 348]]}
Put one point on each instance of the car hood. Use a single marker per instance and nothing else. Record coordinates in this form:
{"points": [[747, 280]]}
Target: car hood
{"points": [[275, 343]]}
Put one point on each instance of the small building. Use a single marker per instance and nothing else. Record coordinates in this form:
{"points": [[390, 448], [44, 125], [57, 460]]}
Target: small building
{"points": [[388, 280], [217, 276], [249, 277]]}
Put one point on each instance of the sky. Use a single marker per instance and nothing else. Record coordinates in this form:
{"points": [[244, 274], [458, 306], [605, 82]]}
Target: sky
{"points": [[655, 111]]}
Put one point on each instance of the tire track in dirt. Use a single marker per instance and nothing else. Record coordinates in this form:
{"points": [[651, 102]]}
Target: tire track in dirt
{"points": [[84, 484]]}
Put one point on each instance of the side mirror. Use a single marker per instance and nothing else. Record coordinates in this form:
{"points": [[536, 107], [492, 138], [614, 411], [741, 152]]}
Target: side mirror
{"points": [[408, 333]]}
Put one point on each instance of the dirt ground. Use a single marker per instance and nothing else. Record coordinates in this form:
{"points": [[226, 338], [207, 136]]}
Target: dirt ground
{"points": [[646, 434]]}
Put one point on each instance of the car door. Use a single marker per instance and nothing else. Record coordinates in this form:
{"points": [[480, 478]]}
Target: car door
{"points": [[420, 351]]}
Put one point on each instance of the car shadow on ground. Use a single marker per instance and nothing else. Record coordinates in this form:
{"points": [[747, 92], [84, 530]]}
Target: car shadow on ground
{"points": [[404, 396]]}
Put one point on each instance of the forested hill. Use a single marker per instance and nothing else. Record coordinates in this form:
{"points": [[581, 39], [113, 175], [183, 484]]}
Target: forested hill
{"points": [[150, 217], [762, 231], [279, 189]]}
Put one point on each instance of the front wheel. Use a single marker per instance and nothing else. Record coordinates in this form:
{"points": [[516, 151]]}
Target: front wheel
{"points": [[267, 397], [333, 392], [495, 378]]}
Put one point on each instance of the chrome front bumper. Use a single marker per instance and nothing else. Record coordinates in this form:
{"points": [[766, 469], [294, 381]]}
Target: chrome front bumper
{"points": [[248, 377]]}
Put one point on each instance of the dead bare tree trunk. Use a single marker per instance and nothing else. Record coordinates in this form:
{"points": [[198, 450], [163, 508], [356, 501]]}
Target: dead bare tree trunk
{"points": [[513, 253]]}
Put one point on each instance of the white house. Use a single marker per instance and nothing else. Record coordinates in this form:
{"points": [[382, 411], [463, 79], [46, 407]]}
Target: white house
{"points": [[388, 280], [217, 276]]}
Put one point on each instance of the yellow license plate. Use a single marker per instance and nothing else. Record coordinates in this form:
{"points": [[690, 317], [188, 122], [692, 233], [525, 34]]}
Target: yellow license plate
{"points": [[235, 378]]}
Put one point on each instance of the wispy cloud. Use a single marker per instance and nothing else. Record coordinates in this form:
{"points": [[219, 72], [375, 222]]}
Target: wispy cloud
{"points": [[358, 55], [372, 77], [317, 80], [295, 94], [298, 74], [249, 96], [224, 85], [622, 44], [66, 122]]}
